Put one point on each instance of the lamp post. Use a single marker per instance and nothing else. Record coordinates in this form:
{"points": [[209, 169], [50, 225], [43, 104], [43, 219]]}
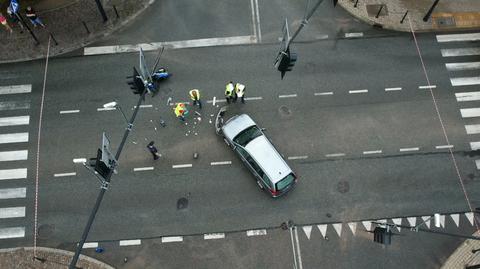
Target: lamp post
{"points": [[115, 105], [429, 12]]}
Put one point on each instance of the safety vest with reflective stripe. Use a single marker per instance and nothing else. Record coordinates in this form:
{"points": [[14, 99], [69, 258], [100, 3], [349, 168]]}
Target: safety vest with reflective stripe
{"points": [[180, 109], [229, 89], [239, 89], [195, 94]]}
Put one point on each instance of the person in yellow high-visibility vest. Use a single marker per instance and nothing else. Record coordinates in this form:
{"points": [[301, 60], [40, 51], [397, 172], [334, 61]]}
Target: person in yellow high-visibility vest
{"points": [[229, 91], [239, 92], [195, 96], [180, 111]]}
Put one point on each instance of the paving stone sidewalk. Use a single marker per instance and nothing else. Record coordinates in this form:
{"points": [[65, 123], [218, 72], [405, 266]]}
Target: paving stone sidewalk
{"points": [[71, 26], [447, 15], [47, 258], [468, 254]]}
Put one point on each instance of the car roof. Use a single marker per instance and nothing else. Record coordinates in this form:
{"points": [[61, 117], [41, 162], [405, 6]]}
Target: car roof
{"points": [[237, 124], [268, 158]]}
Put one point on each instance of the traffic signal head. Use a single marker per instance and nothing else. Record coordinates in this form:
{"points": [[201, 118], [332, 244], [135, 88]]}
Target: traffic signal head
{"points": [[136, 82], [285, 61], [382, 235]]}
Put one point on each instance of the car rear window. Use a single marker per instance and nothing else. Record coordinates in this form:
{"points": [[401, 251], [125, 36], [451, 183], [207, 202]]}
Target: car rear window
{"points": [[285, 182], [247, 135]]}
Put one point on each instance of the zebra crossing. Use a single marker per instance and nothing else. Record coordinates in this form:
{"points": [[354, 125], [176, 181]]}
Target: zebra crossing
{"points": [[14, 110], [463, 65]]}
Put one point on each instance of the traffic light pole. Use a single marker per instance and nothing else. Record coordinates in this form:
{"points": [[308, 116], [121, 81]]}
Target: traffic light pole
{"points": [[105, 183], [304, 22]]}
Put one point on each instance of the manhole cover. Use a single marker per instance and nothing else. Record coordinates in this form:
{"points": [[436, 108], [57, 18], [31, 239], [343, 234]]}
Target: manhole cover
{"points": [[343, 186], [45, 230], [182, 203], [285, 111]]}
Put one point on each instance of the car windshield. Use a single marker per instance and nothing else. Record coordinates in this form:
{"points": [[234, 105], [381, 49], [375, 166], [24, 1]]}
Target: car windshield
{"points": [[285, 182], [247, 135]]}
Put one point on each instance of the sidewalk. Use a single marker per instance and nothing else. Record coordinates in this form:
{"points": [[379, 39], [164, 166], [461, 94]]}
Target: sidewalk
{"points": [[447, 15], [73, 24], [463, 256], [47, 258]]}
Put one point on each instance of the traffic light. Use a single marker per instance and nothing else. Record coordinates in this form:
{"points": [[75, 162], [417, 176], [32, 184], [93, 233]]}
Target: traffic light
{"points": [[136, 82], [100, 167], [285, 61], [382, 235]]}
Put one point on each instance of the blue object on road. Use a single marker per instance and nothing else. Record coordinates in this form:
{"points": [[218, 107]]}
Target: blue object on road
{"points": [[14, 6], [99, 249]]}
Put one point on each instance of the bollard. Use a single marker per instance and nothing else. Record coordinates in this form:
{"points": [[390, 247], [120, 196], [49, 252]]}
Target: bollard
{"points": [[356, 4], [380, 10], [116, 11], [403, 18], [86, 28]]}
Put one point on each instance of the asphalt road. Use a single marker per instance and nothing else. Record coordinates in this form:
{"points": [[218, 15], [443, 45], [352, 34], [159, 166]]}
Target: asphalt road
{"points": [[360, 155]]}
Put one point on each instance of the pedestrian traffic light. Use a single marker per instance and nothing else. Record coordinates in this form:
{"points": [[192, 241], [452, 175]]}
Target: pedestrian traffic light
{"points": [[136, 82], [382, 235], [285, 61]]}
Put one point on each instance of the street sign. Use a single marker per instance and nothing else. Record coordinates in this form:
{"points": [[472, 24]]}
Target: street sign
{"points": [[14, 6], [144, 72], [107, 157], [285, 36]]}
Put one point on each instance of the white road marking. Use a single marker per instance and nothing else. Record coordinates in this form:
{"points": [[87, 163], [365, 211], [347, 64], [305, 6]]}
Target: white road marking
{"points": [[444, 147], [460, 52], [458, 37], [18, 173], [142, 168], [13, 193], [12, 212], [298, 157], [13, 89], [338, 228], [393, 89], [455, 218], [194, 43], [335, 155], [253, 19], [12, 121], [132, 242], [372, 152], [353, 227], [462, 66], [465, 81], [65, 174], [358, 91], [397, 222], [412, 221], [475, 145], [256, 232], [80, 160], [14, 105], [213, 236], [349, 35], [105, 108], [427, 87], [13, 232], [470, 112], [253, 98], [477, 163], [323, 93], [69, 111], [467, 96], [473, 128], [287, 96], [299, 253], [323, 229], [259, 31], [16, 155], [214, 100], [169, 239], [13, 138], [90, 245], [409, 149], [307, 230], [144, 106], [182, 165], [221, 163], [470, 217]]}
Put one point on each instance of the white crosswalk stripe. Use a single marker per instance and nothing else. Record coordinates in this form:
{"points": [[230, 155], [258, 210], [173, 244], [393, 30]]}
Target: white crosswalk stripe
{"points": [[467, 96], [460, 52], [462, 66], [465, 81], [12, 212], [458, 37], [470, 112], [17, 173], [13, 232], [13, 138], [473, 129], [13, 89], [12, 121], [13, 193], [15, 155]]}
